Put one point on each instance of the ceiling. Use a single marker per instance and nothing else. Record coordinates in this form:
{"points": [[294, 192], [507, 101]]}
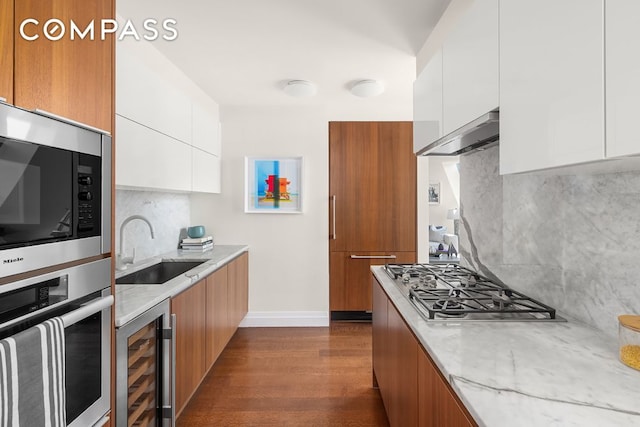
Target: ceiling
{"points": [[242, 52]]}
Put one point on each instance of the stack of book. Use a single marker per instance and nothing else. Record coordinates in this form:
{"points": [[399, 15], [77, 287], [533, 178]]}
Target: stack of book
{"points": [[201, 244]]}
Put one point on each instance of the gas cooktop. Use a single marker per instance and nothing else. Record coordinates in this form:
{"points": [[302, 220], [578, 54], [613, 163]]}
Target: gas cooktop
{"points": [[451, 292]]}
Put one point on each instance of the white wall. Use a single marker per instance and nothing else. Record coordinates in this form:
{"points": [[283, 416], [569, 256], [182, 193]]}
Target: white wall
{"points": [[288, 252], [288, 255]]}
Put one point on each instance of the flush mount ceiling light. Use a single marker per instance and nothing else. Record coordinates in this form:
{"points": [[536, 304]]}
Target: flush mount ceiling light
{"points": [[300, 88], [367, 88]]}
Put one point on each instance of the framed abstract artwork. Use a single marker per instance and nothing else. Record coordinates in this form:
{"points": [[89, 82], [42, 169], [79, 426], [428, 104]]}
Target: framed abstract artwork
{"points": [[273, 185]]}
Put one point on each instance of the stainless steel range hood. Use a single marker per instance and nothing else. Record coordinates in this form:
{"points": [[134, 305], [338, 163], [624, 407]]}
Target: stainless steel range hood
{"points": [[481, 133]]}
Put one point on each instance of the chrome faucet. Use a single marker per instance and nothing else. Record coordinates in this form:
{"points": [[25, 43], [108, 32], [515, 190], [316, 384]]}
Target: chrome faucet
{"points": [[122, 260]]}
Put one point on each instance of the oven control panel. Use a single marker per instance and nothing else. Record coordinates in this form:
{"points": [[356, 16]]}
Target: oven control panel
{"points": [[17, 303], [88, 196]]}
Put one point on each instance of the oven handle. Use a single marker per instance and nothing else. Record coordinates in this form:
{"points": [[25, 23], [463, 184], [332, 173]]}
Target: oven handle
{"points": [[87, 310]]}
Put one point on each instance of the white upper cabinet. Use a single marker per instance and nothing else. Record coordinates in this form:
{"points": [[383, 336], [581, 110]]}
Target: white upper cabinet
{"points": [[551, 83], [205, 172], [470, 66], [149, 159], [206, 127], [167, 129], [427, 104], [622, 59], [144, 96]]}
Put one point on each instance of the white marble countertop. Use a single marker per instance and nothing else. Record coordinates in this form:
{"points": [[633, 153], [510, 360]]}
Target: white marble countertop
{"points": [[133, 300], [528, 373]]}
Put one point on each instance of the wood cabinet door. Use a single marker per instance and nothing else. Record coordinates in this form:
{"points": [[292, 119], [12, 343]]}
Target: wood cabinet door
{"points": [[238, 297], [380, 346], [217, 329], [70, 78], [438, 406], [395, 223], [350, 277], [403, 359], [189, 308], [6, 50], [372, 186], [372, 205]]}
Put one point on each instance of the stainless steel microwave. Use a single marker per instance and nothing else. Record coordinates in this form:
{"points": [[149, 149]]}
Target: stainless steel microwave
{"points": [[55, 191]]}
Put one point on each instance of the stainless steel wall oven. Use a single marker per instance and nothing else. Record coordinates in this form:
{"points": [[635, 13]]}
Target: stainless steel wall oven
{"points": [[81, 296], [55, 191]]}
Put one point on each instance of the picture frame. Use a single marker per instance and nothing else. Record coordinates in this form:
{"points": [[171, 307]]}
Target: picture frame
{"points": [[434, 193], [273, 185]]}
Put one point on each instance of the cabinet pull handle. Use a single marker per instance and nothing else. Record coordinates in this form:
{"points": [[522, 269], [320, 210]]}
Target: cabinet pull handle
{"points": [[169, 408], [373, 257], [333, 216]]}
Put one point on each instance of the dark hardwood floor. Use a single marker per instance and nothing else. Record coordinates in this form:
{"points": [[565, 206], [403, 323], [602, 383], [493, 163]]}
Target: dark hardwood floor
{"points": [[291, 377]]}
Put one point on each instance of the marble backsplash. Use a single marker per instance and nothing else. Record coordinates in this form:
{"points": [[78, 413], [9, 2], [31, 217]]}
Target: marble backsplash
{"points": [[571, 241], [169, 213]]}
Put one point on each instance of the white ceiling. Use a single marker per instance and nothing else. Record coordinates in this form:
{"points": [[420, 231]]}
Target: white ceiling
{"points": [[241, 52]]}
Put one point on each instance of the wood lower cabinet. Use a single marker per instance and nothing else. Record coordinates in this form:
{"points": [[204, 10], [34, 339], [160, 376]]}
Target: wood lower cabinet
{"points": [[412, 388], [350, 277], [403, 370], [219, 328], [70, 78], [189, 308], [238, 297], [438, 404], [372, 204], [207, 316]]}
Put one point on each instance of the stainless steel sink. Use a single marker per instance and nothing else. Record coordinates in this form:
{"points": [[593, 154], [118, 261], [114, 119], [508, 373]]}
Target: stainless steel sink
{"points": [[159, 273]]}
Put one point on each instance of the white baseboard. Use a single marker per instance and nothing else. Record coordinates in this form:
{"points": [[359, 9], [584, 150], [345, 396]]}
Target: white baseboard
{"points": [[258, 319]]}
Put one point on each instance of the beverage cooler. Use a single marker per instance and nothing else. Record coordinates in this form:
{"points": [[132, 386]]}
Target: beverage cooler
{"points": [[145, 349]]}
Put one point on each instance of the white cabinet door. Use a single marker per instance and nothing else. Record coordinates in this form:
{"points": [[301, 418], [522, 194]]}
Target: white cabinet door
{"points": [[206, 172], [149, 159], [622, 39], [144, 96], [427, 104], [470, 66], [206, 132], [551, 83]]}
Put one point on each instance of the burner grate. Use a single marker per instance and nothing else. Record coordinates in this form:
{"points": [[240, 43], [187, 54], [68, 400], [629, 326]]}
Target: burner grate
{"points": [[463, 293]]}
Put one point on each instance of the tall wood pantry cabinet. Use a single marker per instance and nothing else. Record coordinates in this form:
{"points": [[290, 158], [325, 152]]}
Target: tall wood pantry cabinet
{"points": [[372, 207]]}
